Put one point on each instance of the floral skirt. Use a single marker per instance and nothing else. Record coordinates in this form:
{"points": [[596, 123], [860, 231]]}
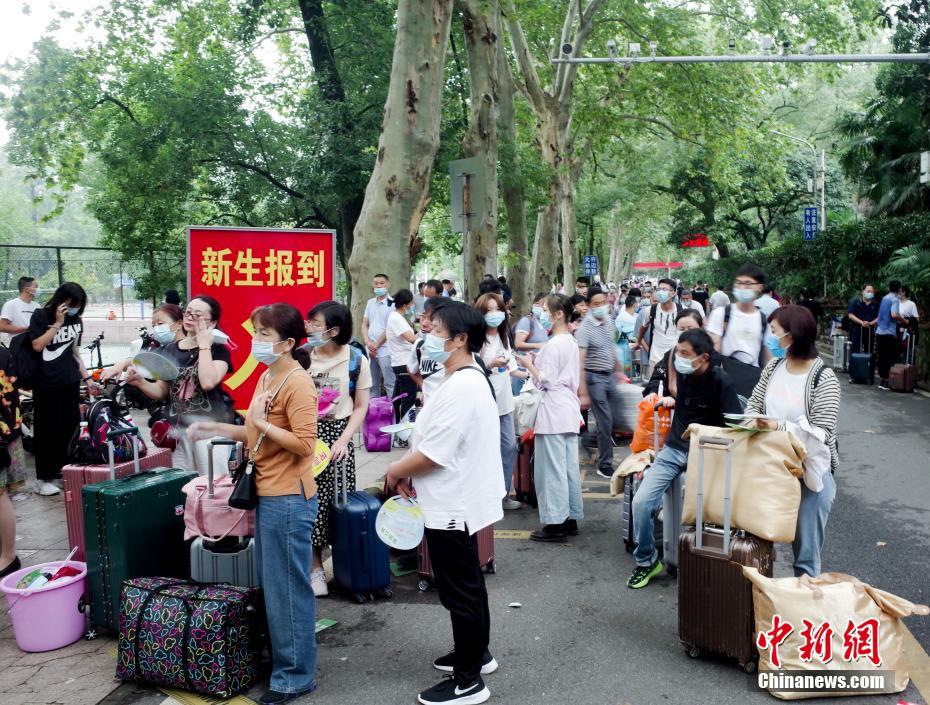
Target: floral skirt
{"points": [[13, 477], [329, 431]]}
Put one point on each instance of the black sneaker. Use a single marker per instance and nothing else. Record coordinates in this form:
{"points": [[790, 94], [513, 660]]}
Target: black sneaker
{"points": [[447, 663], [550, 532], [642, 574], [571, 527], [448, 691]]}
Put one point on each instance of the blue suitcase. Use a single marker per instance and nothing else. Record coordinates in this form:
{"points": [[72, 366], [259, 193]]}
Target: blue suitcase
{"points": [[361, 563], [861, 370]]}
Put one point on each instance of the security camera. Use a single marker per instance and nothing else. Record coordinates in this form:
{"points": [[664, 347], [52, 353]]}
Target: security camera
{"points": [[612, 48], [732, 44], [634, 49], [567, 49], [809, 46]]}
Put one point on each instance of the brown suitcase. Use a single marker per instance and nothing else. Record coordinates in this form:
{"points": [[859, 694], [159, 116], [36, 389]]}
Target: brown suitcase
{"points": [[715, 612], [485, 557], [903, 376]]}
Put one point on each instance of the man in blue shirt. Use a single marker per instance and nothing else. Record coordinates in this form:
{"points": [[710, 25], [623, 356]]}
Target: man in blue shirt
{"points": [[886, 332]]}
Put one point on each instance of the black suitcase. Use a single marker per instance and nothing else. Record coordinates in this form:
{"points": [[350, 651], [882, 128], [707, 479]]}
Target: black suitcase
{"points": [[715, 610]]}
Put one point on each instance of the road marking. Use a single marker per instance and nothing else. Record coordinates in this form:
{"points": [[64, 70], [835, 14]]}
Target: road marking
{"points": [[598, 495], [918, 664], [182, 697], [511, 534]]}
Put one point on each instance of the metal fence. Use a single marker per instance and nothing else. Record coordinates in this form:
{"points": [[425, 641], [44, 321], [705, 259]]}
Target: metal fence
{"points": [[108, 279]]}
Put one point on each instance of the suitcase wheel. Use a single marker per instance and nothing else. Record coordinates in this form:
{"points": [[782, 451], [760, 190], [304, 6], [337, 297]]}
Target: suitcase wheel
{"points": [[749, 666], [672, 570], [423, 585], [90, 634], [490, 568], [385, 593], [692, 651], [629, 546], [359, 599]]}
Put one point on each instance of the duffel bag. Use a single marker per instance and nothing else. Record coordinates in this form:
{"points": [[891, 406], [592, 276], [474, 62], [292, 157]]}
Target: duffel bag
{"points": [[192, 636], [765, 491]]}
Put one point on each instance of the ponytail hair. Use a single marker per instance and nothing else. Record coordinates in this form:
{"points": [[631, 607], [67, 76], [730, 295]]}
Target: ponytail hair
{"points": [[287, 322]]}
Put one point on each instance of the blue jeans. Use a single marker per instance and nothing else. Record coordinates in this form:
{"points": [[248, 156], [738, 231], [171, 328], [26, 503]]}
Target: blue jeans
{"points": [[669, 463], [282, 539], [508, 449], [812, 522]]}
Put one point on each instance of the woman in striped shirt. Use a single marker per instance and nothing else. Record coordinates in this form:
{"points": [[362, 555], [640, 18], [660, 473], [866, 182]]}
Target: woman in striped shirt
{"points": [[798, 393]]}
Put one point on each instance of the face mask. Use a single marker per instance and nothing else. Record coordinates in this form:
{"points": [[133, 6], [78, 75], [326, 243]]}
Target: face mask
{"points": [[772, 343], [663, 296], [163, 334], [868, 296], [683, 365], [538, 312], [744, 296], [601, 312], [410, 315], [264, 352], [435, 348], [314, 340], [626, 329], [545, 321], [494, 318], [381, 291], [72, 311]]}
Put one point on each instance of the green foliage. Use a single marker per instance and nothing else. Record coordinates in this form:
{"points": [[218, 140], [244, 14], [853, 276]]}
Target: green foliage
{"points": [[912, 265]]}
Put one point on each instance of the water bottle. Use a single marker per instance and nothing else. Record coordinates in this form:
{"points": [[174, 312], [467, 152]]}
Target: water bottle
{"points": [[84, 433]]}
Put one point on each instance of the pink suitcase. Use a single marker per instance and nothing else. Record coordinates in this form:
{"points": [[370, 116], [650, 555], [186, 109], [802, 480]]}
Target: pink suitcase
{"points": [[485, 557], [76, 476]]}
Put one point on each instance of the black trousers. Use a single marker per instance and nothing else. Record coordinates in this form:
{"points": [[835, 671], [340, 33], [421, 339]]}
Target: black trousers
{"points": [[460, 581], [887, 354], [403, 384], [57, 415]]}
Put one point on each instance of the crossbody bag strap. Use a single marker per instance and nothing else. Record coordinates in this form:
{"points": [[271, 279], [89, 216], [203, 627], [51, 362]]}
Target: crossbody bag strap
{"points": [[274, 394]]}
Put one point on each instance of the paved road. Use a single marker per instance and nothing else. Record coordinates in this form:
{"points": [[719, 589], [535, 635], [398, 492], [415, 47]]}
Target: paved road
{"points": [[581, 636]]}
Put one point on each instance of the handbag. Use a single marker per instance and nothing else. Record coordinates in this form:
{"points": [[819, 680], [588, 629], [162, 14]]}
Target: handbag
{"points": [[526, 406], [245, 493]]}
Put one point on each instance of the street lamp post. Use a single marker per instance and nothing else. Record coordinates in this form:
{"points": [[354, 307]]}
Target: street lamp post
{"points": [[823, 175]]}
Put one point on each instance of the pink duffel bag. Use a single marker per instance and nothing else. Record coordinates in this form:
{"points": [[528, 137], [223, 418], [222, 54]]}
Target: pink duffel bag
{"points": [[207, 513]]}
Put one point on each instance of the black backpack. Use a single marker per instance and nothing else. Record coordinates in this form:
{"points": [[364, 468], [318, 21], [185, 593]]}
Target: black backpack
{"points": [[24, 361]]}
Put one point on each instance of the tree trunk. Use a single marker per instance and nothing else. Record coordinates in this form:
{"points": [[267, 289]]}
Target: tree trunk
{"points": [[481, 26], [512, 189], [569, 223], [398, 190], [546, 243]]}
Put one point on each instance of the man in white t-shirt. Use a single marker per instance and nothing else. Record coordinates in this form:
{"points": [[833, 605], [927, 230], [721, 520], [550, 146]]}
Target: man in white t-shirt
{"points": [[739, 330], [374, 333], [460, 485], [718, 299], [689, 304], [16, 313], [660, 324], [766, 303]]}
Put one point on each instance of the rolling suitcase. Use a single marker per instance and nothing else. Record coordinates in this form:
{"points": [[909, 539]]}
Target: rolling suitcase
{"points": [[673, 506], [523, 486], [361, 562], [715, 611], [903, 376], [861, 370], [841, 347], [133, 527], [631, 483], [76, 476], [485, 538], [231, 559]]}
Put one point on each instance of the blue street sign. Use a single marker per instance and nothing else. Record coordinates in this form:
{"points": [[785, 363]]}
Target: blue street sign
{"points": [[590, 265], [810, 223]]}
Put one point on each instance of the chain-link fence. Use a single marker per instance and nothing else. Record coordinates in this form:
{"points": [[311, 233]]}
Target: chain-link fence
{"points": [[109, 280]]}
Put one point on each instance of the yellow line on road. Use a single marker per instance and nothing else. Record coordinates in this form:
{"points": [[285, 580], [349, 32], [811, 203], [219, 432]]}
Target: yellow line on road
{"points": [[185, 698], [510, 534], [598, 495], [918, 664]]}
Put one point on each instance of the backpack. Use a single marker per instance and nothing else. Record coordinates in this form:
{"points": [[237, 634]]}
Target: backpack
{"points": [[24, 361], [103, 416], [652, 315], [355, 365]]}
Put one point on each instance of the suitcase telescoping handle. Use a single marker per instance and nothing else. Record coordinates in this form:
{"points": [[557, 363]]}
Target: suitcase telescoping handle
{"points": [[723, 444], [341, 498], [133, 433], [214, 442]]}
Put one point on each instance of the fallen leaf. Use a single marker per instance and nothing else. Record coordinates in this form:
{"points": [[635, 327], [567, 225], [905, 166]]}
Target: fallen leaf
{"points": [[881, 544], [515, 605]]}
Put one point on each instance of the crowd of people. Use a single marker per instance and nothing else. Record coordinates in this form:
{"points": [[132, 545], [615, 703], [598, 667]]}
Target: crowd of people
{"points": [[458, 368]]}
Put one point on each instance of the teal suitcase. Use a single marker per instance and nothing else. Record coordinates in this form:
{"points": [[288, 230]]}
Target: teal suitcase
{"points": [[133, 528]]}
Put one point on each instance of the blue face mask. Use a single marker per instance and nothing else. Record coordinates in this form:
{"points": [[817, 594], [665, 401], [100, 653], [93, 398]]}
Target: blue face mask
{"points": [[494, 318], [772, 343], [662, 296], [600, 312], [538, 312], [380, 291], [163, 334], [545, 321], [264, 352], [744, 296], [684, 365], [868, 296], [72, 310], [435, 348]]}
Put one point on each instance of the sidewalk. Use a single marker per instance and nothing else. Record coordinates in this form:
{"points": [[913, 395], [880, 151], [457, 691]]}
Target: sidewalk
{"points": [[83, 673]]}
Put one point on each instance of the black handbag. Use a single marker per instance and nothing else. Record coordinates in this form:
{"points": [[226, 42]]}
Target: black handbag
{"points": [[245, 493]]}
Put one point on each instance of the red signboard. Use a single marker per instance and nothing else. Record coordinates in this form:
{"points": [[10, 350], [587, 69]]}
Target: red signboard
{"points": [[696, 240], [243, 268], [658, 265]]}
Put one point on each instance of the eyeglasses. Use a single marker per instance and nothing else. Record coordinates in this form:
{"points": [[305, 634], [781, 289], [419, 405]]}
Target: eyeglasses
{"points": [[745, 283], [196, 315]]}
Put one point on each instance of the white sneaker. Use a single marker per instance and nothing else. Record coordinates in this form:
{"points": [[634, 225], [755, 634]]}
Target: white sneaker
{"points": [[47, 489], [318, 583], [511, 503]]}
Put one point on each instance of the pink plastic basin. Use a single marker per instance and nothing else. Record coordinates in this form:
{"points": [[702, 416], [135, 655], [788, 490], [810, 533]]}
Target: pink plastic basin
{"points": [[51, 616]]}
